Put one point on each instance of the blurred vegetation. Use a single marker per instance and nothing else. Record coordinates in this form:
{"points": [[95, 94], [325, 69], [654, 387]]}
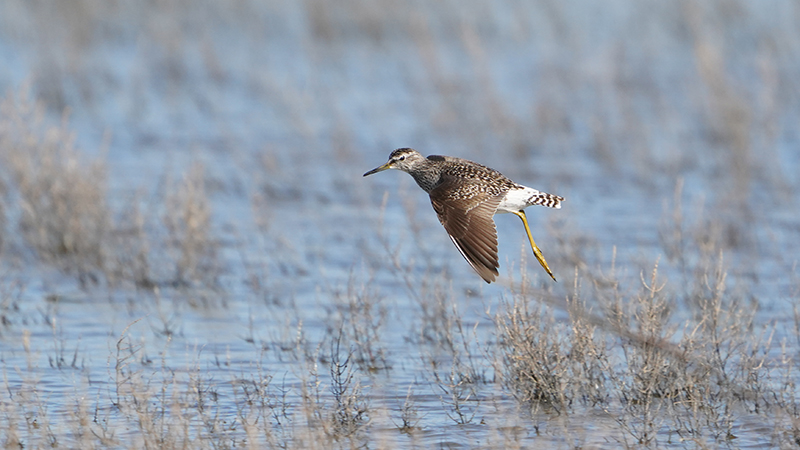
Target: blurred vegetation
{"points": [[208, 153]]}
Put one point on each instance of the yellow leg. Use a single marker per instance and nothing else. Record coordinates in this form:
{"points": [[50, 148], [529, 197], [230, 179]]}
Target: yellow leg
{"points": [[536, 252]]}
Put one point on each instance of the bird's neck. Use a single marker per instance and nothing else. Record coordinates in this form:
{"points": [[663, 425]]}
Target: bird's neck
{"points": [[428, 177]]}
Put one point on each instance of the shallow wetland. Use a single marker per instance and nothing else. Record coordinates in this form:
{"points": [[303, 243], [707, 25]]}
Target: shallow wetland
{"points": [[190, 257]]}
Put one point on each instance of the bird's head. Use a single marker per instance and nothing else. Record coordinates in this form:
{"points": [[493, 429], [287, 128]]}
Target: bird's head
{"points": [[404, 159]]}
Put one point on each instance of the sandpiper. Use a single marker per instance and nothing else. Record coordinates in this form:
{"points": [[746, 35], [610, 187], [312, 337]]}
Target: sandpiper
{"points": [[466, 196]]}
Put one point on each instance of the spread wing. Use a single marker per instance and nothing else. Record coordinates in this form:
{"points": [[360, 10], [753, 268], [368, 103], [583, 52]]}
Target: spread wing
{"points": [[467, 216]]}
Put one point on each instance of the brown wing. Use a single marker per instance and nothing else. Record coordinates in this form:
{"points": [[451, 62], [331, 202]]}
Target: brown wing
{"points": [[467, 216]]}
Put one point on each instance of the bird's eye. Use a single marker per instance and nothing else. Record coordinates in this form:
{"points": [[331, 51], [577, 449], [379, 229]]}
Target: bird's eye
{"points": [[401, 158]]}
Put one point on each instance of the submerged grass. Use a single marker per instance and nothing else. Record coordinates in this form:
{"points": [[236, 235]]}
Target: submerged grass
{"points": [[63, 213], [633, 351], [187, 218], [660, 376], [61, 209]]}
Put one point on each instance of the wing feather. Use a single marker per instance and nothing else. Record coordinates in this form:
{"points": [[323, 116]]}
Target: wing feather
{"points": [[467, 216]]}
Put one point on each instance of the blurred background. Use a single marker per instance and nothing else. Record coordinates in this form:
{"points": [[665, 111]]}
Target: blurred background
{"points": [[613, 106], [173, 156]]}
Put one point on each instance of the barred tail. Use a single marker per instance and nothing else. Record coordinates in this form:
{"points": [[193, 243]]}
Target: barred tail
{"points": [[545, 199]]}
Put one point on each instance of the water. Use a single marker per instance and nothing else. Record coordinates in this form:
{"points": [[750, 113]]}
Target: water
{"points": [[285, 105]]}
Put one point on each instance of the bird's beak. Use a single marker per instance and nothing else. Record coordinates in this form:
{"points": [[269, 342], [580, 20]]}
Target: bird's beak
{"points": [[379, 169]]}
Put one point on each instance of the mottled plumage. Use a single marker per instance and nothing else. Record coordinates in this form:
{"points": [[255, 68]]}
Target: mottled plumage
{"points": [[466, 196]]}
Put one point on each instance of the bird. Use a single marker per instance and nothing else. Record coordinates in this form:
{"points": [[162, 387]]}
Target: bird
{"points": [[466, 196]]}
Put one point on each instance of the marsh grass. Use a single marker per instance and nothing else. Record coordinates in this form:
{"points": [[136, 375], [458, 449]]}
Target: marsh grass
{"points": [[134, 257], [360, 317], [635, 351], [350, 411], [534, 365], [621, 359], [409, 414], [63, 214], [187, 218], [616, 346]]}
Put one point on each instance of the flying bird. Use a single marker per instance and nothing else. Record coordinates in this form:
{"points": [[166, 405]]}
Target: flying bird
{"points": [[466, 196]]}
